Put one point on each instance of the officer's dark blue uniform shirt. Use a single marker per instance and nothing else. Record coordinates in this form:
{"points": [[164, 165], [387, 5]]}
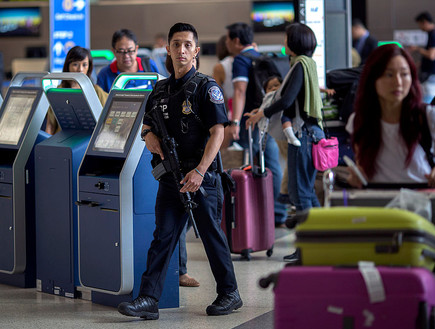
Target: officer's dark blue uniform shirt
{"points": [[182, 124]]}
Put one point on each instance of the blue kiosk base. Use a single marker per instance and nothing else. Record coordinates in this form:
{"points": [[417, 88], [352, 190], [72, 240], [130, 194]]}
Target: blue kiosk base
{"points": [[143, 228], [56, 164], [27, 279]]}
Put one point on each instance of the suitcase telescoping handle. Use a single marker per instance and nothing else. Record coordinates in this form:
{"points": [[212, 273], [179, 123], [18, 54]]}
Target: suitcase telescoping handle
{"points": [[260, 154], [251, 151]]}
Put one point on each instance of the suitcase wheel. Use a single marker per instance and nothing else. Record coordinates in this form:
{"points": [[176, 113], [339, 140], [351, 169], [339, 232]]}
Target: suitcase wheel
{"points": [[246, 254], [269, 252]]}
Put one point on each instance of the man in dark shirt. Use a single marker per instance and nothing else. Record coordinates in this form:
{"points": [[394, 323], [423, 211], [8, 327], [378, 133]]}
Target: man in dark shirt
{"points": [[427, 68], [240, 43], [362, 41]]}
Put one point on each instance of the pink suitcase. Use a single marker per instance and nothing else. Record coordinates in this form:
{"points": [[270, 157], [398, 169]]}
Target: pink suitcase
{"points": [[249, 217], [308, 297]]}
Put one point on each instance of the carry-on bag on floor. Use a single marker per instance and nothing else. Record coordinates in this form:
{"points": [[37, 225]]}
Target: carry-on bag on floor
{"points": [[324, 297], [249, 217], [346, 235]]}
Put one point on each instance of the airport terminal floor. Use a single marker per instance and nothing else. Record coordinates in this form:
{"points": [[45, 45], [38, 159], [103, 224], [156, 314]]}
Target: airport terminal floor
{"points": [[27, 308]]}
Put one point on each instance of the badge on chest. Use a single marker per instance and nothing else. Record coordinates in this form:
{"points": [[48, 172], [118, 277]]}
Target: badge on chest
{"points": [[186, 107]]}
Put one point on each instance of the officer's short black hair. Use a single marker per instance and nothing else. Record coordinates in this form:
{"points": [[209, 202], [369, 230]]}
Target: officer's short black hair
{"points": [[424, 17], [182, 27], [242, 31], [118, 35], [301, 39]]}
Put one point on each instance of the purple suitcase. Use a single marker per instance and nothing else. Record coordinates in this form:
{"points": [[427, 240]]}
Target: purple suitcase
{"points": [[249, 217], [308, 297]]}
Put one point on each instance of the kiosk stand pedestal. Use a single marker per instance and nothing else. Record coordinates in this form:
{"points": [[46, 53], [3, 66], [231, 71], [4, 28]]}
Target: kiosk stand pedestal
{"points": [[56, 162], [117, 195], [21, 117]]}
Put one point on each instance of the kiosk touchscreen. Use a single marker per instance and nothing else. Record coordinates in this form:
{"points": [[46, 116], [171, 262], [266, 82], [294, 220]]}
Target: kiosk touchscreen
{"points": [[118, 124], [57, 160], [21, 116], [116, 203]]}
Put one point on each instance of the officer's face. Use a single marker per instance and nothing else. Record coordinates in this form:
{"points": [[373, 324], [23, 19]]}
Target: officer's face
{"points": [[182, 49]]}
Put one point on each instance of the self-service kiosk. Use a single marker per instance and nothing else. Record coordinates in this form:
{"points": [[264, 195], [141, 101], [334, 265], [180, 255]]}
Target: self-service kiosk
{"points": [[116, 201], [21, 117], [57, 160]]}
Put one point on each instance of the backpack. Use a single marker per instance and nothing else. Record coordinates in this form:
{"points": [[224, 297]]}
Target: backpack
{"points": [[345, 83], [263, 67]]}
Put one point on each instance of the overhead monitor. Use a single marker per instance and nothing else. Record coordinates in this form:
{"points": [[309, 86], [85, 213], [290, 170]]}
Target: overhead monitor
{"points": [[118, 124], [17, 108], [20, 22], [272, 16]]}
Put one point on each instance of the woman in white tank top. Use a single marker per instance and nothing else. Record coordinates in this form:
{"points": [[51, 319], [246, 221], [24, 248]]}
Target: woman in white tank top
{"points": [[391, 124]]}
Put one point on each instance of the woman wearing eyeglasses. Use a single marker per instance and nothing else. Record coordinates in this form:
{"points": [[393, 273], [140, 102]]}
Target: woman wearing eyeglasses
{"points": [[124, 46]]}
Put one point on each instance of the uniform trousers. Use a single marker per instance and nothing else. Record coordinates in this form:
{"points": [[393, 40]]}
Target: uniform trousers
{"points": [[170, 221]]}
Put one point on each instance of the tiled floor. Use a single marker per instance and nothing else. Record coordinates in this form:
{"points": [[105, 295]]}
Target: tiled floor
{"points": [[27, 308]]}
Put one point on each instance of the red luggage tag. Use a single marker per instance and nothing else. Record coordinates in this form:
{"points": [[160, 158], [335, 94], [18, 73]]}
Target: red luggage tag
{"points": [[247, 168]]}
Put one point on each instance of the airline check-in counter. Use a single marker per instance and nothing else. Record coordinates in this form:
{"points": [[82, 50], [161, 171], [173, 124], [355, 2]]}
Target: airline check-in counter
{"points": [[117, 201], [21, 116], [57, 160]]}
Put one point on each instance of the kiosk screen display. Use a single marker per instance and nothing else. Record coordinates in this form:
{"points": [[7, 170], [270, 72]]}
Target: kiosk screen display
{"points": [[120, 118], [14, 117]]}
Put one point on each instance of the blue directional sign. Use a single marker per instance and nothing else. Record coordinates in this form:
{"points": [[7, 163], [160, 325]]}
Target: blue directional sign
{"points": [[69, 27]]}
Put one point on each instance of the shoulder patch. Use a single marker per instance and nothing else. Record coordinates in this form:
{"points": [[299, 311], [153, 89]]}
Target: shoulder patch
{"points": [[216, 95]]}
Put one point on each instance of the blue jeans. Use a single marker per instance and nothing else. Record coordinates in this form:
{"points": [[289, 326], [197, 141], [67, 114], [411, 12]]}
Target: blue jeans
{"points": [[171, 220], [428, 89], [271, 160], [301, 171]]}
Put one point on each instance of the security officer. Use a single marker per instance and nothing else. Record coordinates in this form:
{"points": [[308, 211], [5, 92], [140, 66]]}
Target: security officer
{"points": [[197, 124]]}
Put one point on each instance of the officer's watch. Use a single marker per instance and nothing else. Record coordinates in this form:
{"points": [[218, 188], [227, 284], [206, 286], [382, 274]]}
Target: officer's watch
{"points": [[235, 123], [144, 133]]}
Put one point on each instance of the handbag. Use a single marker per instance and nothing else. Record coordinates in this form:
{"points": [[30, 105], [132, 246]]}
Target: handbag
{"points": [[325, 152]]}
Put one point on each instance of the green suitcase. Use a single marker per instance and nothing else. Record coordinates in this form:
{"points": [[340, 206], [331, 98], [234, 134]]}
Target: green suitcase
{"points": [[347, 235]]}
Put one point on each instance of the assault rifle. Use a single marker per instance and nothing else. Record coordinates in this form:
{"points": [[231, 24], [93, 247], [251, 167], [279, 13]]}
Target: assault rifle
{"points": [[171, 162]]}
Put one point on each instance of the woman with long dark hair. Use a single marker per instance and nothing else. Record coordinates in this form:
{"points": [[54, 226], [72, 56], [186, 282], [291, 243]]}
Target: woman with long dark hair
{"points": [[391, 123]]}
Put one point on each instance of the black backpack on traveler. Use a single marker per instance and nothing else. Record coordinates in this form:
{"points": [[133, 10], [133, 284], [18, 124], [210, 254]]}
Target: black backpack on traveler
{"points": [[345, 83], [263, 67]]}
